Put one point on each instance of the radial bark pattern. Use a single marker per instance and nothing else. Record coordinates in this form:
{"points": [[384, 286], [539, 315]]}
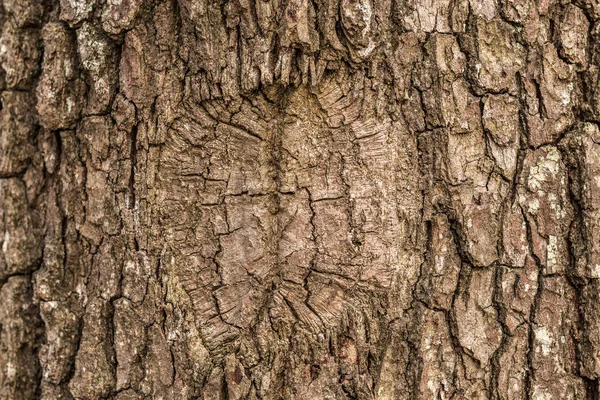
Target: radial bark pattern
{"points": [[294, 199]]}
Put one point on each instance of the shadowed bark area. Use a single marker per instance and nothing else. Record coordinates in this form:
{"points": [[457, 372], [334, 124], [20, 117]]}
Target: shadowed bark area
{"points": [[294, 199]]}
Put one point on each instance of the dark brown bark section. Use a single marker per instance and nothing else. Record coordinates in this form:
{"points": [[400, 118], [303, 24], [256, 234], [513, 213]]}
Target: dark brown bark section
{"points": [[299, 200]]}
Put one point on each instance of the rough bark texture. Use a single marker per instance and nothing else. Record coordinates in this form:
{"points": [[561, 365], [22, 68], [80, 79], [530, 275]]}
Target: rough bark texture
{"points": [[294, 199]]}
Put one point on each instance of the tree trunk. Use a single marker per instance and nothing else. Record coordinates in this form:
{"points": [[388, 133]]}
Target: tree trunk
{"points": [[293, 199]]}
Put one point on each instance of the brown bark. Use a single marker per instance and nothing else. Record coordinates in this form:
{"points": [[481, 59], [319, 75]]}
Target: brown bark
{"points": [[293, 199]]}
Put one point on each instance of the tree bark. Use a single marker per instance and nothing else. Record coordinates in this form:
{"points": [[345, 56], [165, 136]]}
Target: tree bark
{"points": [[293, 199]]}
